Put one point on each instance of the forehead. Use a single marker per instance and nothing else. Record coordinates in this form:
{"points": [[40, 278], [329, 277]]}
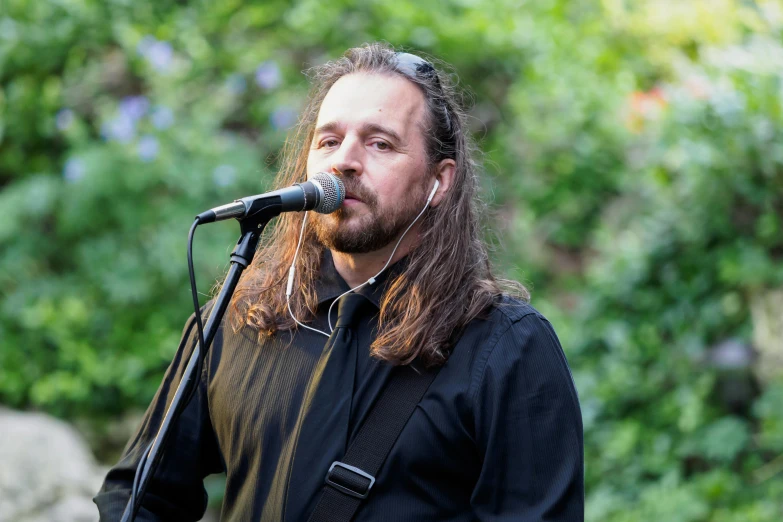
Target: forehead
{"points": [[385, 99]]}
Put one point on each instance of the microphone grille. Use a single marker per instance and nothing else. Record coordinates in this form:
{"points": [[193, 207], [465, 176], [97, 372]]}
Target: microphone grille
{"points": [[332, 192]]}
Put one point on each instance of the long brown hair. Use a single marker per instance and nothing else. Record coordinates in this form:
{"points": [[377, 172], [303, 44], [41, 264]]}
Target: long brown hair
{"points": [[448, 279]]}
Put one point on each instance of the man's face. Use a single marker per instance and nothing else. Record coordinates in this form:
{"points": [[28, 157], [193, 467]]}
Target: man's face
{"points": [[369, 132]]}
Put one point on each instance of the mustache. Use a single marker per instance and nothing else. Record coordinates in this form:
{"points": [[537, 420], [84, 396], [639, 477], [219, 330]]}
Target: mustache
{"points": [[355, 187]]}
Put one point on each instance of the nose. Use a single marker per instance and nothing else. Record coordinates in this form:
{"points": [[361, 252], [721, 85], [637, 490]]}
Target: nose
{"points": [[347, 161]]}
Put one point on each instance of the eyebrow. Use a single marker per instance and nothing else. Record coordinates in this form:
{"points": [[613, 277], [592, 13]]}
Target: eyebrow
{"points": [[366, 128]]}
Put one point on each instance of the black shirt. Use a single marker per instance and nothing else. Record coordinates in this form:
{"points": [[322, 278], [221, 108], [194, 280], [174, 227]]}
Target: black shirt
{"points": [[497, 436]]}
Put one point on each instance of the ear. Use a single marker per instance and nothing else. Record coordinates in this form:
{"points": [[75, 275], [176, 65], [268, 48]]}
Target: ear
{"points": [[444, 173]]}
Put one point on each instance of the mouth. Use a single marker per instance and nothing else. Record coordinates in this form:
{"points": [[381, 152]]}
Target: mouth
{"points": [[350, 196]]}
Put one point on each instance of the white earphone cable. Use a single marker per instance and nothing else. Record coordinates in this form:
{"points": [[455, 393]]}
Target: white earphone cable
{"points": [[289, 289]]}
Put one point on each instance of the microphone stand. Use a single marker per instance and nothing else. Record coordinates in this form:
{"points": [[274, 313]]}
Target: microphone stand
{"points": [[251, 228]]}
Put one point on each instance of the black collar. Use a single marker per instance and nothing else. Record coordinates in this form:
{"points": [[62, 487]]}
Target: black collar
{"points": [[330, 285]]}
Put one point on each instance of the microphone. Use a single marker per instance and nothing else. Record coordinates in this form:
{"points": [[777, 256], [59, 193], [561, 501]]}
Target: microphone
{"points": [[324, 193]]}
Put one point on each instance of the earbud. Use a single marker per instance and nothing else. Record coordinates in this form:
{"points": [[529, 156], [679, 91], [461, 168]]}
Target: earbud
{"points": [[371, 281], [432, 194]]}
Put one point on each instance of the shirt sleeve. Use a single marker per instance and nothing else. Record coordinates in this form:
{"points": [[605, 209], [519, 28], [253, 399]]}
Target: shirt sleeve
{"points": [[176, 490], [529, 430]]}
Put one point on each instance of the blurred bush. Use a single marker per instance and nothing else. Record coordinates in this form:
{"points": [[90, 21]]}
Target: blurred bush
{"points": [[634, 147], [666, 367]]}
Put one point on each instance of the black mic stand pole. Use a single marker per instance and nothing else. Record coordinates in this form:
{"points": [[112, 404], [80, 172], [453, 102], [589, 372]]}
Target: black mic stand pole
{"points": [[251, 226]]}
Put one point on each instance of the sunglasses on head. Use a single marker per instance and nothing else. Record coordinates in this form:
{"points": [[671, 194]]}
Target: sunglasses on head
{"points": [[416, 67]]}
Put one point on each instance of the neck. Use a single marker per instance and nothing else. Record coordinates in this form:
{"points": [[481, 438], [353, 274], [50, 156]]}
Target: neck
{"points": [[358, 268]]}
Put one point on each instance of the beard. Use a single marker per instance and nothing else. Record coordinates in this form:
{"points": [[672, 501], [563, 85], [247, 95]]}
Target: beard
{"points": [[362, 230]]}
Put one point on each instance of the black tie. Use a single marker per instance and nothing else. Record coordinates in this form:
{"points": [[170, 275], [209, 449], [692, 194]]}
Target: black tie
{"points": [[323, 437], [347, 307], [340, 374]]}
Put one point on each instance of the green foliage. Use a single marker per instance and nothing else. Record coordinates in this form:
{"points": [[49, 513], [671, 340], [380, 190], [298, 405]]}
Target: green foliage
{"points": [[680, 254], [635, 151]]}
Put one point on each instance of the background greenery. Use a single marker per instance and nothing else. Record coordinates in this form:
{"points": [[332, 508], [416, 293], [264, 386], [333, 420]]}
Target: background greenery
{"points": [[635, 165]]}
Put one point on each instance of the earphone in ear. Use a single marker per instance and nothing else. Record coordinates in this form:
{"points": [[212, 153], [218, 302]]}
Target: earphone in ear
{"points": [[434, 189], [371, 281]]}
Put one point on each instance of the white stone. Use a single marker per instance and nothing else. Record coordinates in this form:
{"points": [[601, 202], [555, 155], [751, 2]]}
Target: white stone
{"points": [[47, 472]]}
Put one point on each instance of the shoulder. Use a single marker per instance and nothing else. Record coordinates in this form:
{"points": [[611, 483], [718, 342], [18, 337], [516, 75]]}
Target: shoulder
{"points": [[514, 322], [523, 347], [512, 309]]}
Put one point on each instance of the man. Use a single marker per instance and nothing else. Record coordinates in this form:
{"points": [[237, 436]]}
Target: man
{"points": [[498, 433]]}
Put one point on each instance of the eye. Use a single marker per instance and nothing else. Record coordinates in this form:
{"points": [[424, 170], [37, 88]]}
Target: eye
{"points": [[381, 145], [329, 143]]}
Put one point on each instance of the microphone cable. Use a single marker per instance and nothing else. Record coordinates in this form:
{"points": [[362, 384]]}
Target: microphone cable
{"points": [[193, 386]]}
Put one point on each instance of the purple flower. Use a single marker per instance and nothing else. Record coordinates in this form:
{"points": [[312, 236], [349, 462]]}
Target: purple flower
{"points": [[162, 117], [64, 119], [134, 107], [282, 118], [157, 53], [268, 75], [73, 170], [160, 55], [122, 128], [731, 354], [147, 148], [224, 175]]}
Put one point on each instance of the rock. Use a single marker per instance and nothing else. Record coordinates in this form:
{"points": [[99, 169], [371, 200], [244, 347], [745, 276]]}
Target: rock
{"points": [[47, 472]]}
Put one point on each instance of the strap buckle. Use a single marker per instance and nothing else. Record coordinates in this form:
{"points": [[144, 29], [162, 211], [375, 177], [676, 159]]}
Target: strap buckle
{"points": [[349, 483]]}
